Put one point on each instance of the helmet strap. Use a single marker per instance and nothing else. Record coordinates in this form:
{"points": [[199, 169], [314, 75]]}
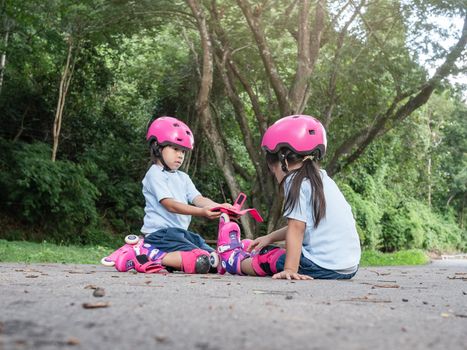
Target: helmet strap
{"points": [[157, 151], [283, 160]]}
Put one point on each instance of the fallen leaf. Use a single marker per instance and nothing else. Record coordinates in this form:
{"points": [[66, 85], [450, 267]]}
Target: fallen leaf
{"points": [[96, 305], [457, 278], [385, 286], [367, 299], [274, 292], [161, 338], [91, 286], [73, 341]]}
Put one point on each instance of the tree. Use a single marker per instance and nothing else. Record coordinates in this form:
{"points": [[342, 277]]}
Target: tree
{"points": [[369, 36]]}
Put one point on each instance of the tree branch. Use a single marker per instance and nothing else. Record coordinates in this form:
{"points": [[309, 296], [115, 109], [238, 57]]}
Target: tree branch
{"points": [[254, 22], [394, 115]]}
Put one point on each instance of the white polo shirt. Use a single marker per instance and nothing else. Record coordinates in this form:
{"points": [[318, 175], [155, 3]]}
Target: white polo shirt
{"points": [[159, 184], [334, 244]]}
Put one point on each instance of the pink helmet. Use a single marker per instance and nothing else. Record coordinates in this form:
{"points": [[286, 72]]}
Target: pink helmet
{"points": [[170, 131], [303, 134]]}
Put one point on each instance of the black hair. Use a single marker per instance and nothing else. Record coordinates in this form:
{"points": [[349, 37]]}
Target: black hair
{"points": [[156, 151], [309, 170]]}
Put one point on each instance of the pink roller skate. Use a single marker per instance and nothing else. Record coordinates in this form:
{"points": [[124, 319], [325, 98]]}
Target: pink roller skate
{"points": [[135, 254], [230, 249]]}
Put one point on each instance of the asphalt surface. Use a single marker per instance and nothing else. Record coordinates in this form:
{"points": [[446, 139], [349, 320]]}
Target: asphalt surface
{"points": [[42, 306]]}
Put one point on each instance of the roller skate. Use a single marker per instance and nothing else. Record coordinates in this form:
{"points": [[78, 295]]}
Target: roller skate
{"points": [[230, 248], [137, 255]]}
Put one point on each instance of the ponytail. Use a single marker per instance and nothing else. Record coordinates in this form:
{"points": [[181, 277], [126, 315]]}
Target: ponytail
{"points": [[309, 170]]}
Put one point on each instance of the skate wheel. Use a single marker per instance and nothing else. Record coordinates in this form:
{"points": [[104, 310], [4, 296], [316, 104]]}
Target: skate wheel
{"points": [[131, 239], [106, 262], [214, 259]]}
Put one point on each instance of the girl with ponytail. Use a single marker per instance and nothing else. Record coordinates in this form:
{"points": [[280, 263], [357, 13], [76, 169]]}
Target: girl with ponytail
{"points": [[321, 239]]}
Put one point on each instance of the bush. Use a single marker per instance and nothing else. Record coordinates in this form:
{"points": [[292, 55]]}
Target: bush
{"points": [[54, 195], [390, 222], [414, 225]]}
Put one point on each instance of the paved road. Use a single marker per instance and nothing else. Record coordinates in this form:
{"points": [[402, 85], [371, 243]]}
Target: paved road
{"points": [[41, 307]]}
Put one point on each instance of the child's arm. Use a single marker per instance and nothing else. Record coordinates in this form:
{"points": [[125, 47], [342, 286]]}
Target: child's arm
{"points": [[204, 202], [261, 242], [293, 247], [174, 206]]}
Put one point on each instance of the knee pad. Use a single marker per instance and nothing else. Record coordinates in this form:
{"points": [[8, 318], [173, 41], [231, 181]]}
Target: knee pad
{"points": [[195, 261], [264, 263]]}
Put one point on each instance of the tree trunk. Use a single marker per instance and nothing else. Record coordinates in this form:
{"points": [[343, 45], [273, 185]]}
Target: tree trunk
{"points": [[62, 93], [204, 112], [7, 28]]}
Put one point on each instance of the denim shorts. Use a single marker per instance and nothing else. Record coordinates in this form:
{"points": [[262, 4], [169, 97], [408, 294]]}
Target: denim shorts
{"points": [[177, 239], [308, 267]]}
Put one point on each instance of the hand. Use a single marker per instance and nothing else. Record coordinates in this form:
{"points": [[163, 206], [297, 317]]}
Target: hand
{"points": [[210, 214], [290, 275], [259, 243]]}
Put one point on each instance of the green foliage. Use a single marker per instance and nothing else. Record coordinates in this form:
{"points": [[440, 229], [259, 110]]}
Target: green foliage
{"points": [[54, 195], [139, 60], [388, 193], [413, 224]]}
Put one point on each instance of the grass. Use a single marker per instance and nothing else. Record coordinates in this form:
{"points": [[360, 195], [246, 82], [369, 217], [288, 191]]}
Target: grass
{"points": [[20, 251], [52, 253], [403, 257]]}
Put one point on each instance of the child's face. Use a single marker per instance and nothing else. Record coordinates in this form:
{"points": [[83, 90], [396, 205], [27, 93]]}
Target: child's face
{"points": [[173, 157]]}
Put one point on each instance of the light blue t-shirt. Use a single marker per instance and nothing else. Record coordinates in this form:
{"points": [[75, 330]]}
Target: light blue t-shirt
{"points": [[334, 244], [159, 184]]}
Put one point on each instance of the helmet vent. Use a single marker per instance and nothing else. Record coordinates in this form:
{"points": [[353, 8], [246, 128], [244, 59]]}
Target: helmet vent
{"points": [[176, 125], [179, 139], [188, 133], [311, 132], [296, 116]]}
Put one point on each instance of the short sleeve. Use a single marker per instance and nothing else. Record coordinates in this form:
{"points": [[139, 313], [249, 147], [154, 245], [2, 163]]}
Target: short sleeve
{"points": [[158, 184], [191, 192], [299, 210]]}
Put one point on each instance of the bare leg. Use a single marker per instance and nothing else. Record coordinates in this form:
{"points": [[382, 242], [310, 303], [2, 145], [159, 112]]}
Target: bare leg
{"points": [[173, 259], [247, 267]]}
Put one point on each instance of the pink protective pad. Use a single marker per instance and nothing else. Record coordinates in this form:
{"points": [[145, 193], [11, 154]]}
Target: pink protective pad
{"points": [[189, 259], [267, 261]]}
